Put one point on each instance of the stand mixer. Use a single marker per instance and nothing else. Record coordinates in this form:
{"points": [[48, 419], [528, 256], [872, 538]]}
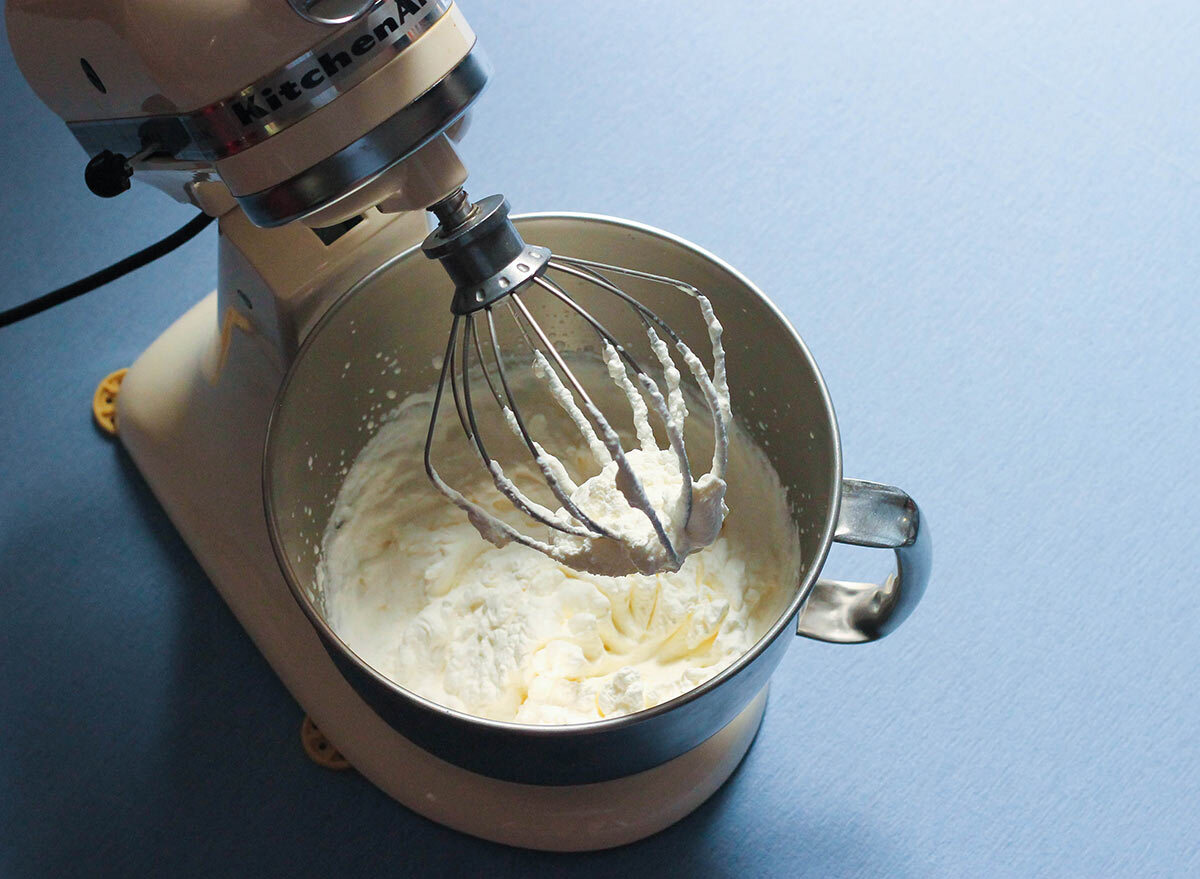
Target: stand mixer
{"points": [[319, 132]]}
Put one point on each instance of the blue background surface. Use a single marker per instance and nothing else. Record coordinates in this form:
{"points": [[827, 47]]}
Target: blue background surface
{"points": [[984, 223]]}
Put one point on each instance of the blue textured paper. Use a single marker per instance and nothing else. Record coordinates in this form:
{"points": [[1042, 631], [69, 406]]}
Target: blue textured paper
{"points": [[984, 222]]}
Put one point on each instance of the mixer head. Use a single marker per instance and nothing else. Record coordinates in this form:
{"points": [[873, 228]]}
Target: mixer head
{"points": [[311, 110], [495, 272]]}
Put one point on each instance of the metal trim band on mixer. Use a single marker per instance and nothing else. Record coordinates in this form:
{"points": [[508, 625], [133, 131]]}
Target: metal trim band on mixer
{"points": [[387, 144], [279, 99], [332, 11]]}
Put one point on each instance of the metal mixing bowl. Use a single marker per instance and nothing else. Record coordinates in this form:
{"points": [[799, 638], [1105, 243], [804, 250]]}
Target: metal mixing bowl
{"points": [[401, 310]]}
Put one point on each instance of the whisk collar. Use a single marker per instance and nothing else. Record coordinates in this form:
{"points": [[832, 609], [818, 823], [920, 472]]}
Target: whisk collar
{"points": [[484, 255]]}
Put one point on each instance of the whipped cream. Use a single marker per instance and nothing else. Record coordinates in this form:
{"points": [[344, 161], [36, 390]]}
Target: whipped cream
{"points": [[508, 633]]}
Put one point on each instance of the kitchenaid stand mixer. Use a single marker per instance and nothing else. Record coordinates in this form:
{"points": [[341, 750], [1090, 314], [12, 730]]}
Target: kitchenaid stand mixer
{"points": [[317, 133], [346, 125]]}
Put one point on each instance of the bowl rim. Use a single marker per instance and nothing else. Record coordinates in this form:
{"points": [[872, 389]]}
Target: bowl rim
{"points": [[809, 575]]}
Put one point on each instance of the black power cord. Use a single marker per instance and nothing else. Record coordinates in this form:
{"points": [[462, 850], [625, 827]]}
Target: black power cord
{"points": [[180, 236]]}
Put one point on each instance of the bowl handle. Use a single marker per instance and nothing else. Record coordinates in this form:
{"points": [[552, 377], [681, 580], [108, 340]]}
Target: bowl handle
{"points": [[844, 612]]}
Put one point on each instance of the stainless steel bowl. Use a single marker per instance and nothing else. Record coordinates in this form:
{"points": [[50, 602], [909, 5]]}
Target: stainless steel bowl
{"points": [[401, 311]]}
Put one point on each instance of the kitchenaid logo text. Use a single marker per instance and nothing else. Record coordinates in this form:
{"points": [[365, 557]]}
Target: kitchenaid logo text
{"points": [[347, 54]]}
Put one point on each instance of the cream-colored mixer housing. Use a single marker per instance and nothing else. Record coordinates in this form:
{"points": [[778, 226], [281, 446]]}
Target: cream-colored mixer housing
{"points": [[256, 100]]}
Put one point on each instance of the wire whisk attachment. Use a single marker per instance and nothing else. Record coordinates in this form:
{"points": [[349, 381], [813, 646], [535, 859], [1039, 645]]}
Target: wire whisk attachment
{"points": [[642, 511]]}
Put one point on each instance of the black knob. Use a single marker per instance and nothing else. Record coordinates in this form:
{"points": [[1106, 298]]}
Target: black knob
{"points": [[107, 174]]}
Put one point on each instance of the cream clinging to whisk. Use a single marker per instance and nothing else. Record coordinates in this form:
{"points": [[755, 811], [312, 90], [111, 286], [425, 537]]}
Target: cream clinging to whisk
{"points": [[642, 511]]}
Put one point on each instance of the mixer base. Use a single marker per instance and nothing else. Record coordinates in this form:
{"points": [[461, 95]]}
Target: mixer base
{"points": [[193, 412]]}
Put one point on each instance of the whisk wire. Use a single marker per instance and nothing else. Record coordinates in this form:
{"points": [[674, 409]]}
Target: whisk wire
{"points": [[634, 491], [585, 269], [502, 402], [505, 486], [553, 479], [489, 525], [649, 387]]}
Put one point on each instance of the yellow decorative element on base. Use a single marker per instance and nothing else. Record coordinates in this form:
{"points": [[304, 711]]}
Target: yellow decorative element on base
{"points": [[233, 318], [104, 401], [319, 749]]}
